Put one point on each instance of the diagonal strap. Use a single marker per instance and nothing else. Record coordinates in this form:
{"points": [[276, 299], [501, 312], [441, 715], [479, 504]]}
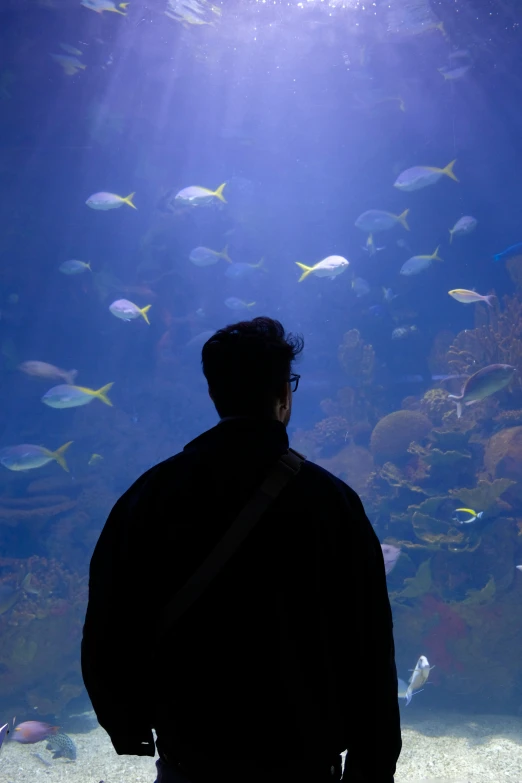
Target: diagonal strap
{"points": [[287, 466]]}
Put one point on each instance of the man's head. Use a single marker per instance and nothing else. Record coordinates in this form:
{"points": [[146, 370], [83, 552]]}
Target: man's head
{"points": [[248, 367]]}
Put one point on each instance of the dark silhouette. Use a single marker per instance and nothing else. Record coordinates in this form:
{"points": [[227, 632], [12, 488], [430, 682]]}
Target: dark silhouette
{"points": [[287, 658]]}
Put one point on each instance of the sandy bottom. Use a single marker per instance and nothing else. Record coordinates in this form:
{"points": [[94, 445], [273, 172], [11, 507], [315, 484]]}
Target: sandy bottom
{"points": [[438, 748]]}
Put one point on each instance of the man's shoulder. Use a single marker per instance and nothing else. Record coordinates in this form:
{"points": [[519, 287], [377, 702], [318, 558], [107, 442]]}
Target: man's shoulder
{"points": [[322, 480]]}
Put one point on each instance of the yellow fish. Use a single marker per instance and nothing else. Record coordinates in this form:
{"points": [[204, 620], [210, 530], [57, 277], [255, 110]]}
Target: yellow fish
{"points": [[468, 297]]}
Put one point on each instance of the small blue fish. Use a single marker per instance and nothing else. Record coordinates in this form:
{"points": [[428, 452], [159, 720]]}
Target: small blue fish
{"points": [[74, 267], [240, 270], [370, 246], [70, 65], [233, 303], [388, 294], [512, 250], [361, 287]]}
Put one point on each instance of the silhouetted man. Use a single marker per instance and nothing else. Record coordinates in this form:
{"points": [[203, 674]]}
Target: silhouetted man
{"points": [[287, 658]]}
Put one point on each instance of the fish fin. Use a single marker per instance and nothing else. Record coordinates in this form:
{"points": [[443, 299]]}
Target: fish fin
{"points": [[402, 219], [26, 581], [448, 170], [306, 271], [487, 299], [435, 255], [144, 311], [261, 265], [102, 393], [123, 5], [218, 193], [224, 254], [70, 377], [251, 304], [128, 199], [58, 455], [459, 409], [88, 266], [451, 235]]}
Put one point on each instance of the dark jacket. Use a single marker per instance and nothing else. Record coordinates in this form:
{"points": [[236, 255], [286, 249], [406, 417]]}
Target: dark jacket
{"points": [[289, 651]]}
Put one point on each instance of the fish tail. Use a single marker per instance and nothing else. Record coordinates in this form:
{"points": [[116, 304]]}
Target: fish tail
{"points": [[218, 193], [402, 219], [224, 254], [144, 311], [306, 271], [102, 393], [69, 377], [457, 403], [128, 199], [58, 455], [451, 235], [488, 299], [435, 254], [448, 170]]}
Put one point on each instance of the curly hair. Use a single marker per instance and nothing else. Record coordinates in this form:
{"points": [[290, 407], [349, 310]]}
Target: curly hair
{"points": [[247, 366]]}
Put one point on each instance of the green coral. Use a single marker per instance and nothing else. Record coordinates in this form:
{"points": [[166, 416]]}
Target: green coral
{"points": [[451, 440], [484, 496], [480, 597], [418, 585], [447, 459], [394, 433]]}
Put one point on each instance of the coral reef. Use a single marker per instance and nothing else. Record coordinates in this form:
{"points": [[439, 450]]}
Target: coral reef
{"points": [[35, 509], [503, 455], [435, 404], [356, 357], [40, 635], [353, 464], [394, 433], [496, 339], [330, 433]]}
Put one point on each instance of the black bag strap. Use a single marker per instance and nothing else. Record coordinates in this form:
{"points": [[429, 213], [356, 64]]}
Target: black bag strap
{"points": [[287, 466]]}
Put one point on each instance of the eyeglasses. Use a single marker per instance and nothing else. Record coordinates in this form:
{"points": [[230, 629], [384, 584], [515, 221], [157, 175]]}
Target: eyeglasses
{"points": [[294, 381]]}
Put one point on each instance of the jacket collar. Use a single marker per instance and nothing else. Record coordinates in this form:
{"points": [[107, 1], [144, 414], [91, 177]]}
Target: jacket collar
{"points": [[235, 431]]}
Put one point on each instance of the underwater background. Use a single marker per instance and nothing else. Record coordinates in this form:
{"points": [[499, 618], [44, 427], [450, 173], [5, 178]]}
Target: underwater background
{"points": [[311, 114]]}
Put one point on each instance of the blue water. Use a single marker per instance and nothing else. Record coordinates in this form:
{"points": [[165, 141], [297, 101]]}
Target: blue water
{"points": [[308, 114]]}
